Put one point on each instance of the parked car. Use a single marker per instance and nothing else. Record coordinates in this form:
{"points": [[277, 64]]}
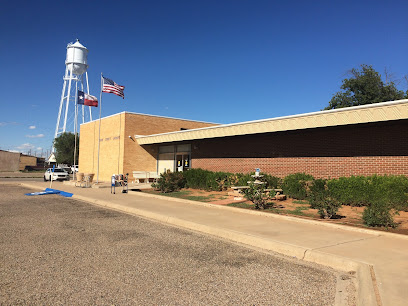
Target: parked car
{"points": [[59, 174], [74, 169], [67, 169]]}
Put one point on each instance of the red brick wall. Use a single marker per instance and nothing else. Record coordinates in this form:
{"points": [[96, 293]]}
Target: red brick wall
{"points": [[364, 149], [319, 167]]}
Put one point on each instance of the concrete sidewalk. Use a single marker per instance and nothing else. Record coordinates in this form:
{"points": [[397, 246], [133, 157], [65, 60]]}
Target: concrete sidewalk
{"points": [[379, 259]]}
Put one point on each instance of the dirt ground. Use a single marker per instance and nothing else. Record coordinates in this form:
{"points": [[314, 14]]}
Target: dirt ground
{"points": [[347, 215]]}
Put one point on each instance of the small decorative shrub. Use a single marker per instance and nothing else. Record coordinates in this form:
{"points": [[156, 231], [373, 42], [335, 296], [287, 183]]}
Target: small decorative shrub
{"points": [[233, 179], [328, 207], [317, 192], [170, 181], [243, 179], [294, 185], [272, 181], [379, 213], [320, 198], [256, 194]]}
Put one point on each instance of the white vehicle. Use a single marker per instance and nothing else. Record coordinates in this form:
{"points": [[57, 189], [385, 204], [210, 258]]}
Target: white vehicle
{"points": [[74, 169], [59, 174]]}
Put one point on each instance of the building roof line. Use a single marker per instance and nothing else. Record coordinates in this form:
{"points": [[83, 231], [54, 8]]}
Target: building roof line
{"points": [[164, 117], [202, 131]]}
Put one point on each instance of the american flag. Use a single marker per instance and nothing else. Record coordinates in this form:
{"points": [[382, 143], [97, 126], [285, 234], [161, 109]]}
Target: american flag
{"points": [[111, 87]]}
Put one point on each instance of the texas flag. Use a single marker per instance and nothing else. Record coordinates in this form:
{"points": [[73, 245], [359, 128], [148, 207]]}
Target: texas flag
{"points": [[85, 99]]}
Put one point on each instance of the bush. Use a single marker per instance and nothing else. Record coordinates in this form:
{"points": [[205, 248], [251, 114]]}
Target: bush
{"points": [[352, 191], [392, 189], [207, 180], [256, 194], [272, 181], [196, 178], [294, 185], [320, 198], [243, 179], [361, 191], [219, 181], [317, 192], [170, 181], [379, 214]]}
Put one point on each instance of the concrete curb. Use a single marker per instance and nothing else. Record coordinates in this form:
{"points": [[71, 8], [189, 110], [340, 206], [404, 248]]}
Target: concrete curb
{"points": [[367, 293], [276, 216]]}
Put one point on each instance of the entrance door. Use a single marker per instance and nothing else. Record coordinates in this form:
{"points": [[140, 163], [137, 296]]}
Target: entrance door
{"points": [[182, 162]]}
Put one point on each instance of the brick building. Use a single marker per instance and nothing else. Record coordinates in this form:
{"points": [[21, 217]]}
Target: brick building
{"points": [[361, 140], [119, 152], [15, 161]]}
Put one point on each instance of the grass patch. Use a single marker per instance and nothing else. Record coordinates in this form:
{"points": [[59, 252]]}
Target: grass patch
{"points": [[201, 198], [176, 194], [298, 211], [241, 205], [186, 195], [300, 202]]}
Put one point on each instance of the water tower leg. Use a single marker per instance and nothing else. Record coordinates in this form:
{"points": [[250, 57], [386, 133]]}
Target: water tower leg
{"points": [[67, 103], [61, 104]]}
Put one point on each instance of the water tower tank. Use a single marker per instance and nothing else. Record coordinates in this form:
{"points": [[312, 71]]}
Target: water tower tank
{"points": [[77, 58]]}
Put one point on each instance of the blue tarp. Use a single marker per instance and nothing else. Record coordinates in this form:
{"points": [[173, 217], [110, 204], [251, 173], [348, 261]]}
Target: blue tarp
{"points": [[42, 193], [51, 191]]}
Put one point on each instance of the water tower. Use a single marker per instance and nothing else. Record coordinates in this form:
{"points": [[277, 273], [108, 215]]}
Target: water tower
{"points": [[75, 78]]}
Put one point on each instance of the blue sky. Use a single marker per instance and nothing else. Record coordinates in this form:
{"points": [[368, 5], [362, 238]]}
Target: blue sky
{"points": [[219, 61]]}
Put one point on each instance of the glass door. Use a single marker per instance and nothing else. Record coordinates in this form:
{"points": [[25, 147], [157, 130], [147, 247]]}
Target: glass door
{"points": [[182, 162]]}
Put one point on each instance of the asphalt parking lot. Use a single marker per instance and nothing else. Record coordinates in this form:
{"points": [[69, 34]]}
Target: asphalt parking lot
{"points": [[56, 250]]}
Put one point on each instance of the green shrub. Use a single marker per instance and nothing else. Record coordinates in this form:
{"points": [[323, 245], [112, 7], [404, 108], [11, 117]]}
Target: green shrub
{"points": [[316, 192], [379, 214], [234, 179], [294, 185], [351, 191], [207, 180], [320, 198], [361, 191], [243, 179], [219, 181], [392, 189], [196, 178], [170, 181], [256, 194], [272, 181]]}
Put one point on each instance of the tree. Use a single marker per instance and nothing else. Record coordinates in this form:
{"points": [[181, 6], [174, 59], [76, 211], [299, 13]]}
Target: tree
{"points": [[365, 87], [64, 146]]}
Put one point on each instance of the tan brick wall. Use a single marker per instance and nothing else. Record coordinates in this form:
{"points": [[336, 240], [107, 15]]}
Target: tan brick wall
{"points": [[9, 161], [137, 158], [27, 161], [119, 153], [111, 147]]}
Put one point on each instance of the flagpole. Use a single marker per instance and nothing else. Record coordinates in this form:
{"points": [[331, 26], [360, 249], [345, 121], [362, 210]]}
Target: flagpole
{"points": [[99, 137], [76, 128]]}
